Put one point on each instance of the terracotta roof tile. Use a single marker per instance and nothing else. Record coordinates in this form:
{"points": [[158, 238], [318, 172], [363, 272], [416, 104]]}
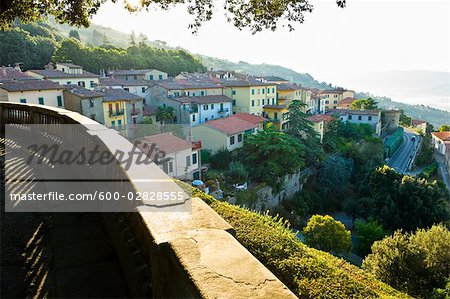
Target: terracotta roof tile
{"points": [[444, 136], [166, 143]]}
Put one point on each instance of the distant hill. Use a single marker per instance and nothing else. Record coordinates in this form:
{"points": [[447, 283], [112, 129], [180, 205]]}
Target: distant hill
{"points": [[304, 79]]}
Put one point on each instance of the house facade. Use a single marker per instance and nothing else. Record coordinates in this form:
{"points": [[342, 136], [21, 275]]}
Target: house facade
{"points": [[42, 92], [440, 141], [178, 158], [146, 74], [250, 95], [66, 74], [137, 87], [227, 132], [121, 107], [346, 103], [370, 117], [84, 101], [320, 123], [329, 99]]}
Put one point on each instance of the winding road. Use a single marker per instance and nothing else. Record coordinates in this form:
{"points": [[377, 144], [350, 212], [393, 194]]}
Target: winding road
{"points": [[402, 160]]}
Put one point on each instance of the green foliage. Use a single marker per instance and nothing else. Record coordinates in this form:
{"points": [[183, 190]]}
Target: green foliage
{"points": [[247, 198], [269, 155], [237, 174], [74, 34], [334, 175], [299, 124], [405, 120], [368, 233], [414, 263], [430, 170], [308, 272], [165, 114], [205, 156], [17, 45], [425, 155], [221, 159], [354, 132], [140, 56], [242, 14], [444, 128], [327, 234], [402, 201], [366, 104]]}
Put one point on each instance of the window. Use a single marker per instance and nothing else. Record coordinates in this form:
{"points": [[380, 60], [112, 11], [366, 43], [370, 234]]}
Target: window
{"points": [[349, 117], [41, 101], [23, 100], [273, 90], [240, 138], [327, 102], [113, 123], [59, 100], [194, 158], [206, 119], [263, 90], [92, 84], [69, 82], [134, 77], [273, 101], [212, 106], [150, 77], [170, 166], [188, 161], [263, 102], [253, 91], [233, 92], [119, 123], [335, 102], [359, 117], [126, 89], [369, 118], [231, 140], [253, 103], [91, 103], [160, 77], [81, 83], [193, 117], [205, 107], [275, 115], [202, 93], [234, 102], [143, 89]]}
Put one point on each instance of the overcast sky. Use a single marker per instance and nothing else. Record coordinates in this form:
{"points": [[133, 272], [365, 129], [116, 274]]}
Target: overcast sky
{"points": [[366, 35]]}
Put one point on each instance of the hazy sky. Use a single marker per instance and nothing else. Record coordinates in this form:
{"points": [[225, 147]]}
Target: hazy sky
{"points": [[366, 35]]}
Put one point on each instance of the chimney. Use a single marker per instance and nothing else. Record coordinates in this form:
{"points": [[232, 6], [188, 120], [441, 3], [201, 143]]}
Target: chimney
{"points": [[50, 66]]}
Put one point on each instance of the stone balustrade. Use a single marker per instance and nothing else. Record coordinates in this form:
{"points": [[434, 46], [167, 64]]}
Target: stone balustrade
{"points": [[165, 253]]}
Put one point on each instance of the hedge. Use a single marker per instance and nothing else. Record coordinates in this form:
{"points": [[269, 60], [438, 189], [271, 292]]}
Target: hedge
{"points": [[308, 272]]}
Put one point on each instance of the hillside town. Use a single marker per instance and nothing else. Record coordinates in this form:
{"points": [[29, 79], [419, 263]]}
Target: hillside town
{"points": [[266, 144]]}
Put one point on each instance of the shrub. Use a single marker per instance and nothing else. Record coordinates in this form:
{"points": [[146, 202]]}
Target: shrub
{"points": [[221, 159], [368, 233], [205, 156], [327, 234]]}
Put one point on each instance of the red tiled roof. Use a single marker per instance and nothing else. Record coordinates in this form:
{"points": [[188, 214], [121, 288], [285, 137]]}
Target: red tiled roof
{"points": [[444, 136], [254, 119], [416, 122], [231, 125], [166, 143], [347, 101], [321, 117]]}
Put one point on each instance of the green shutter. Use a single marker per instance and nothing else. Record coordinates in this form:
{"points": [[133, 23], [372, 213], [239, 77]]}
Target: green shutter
{"points": [[59, 99], [41, 101]]}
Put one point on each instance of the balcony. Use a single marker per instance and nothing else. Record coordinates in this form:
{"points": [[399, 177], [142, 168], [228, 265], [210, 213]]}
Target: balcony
{"points": [[196, 145], [135, 111], [113, 113], [145, 253]]}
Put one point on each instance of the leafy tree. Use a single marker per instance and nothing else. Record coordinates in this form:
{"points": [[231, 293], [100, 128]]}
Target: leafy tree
{"points": [[221, 159], [237, 174], [334, 175], [368, 233], [414, 263], [425, 155], [299, 124], [205, 156], [405, 120], [444, 128], [165, 114], [74, 34], [255, 15], [402, 201], [269, 155], [327, 234], [366, 104]]}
